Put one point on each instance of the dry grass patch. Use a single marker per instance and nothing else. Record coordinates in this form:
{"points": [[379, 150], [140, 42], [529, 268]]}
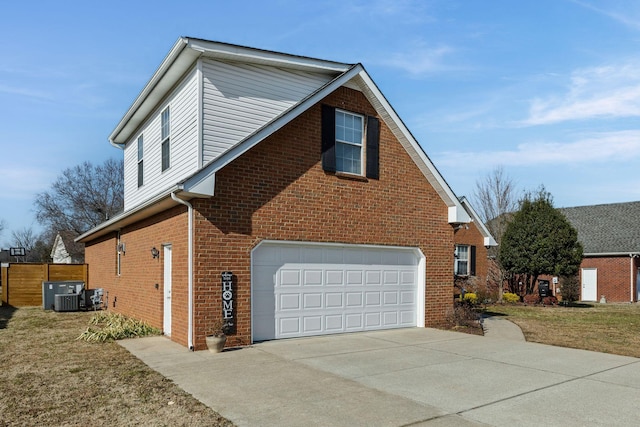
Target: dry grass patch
{"points": [[48, 378], [607, 328]]}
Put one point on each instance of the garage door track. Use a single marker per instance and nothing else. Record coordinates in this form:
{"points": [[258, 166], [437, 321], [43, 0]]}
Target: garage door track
{"points": [[401, 377]]}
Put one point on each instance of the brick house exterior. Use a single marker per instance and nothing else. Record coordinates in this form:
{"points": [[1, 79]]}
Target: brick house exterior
{"points": [[476, 240], [611, 240], [272, 191]]}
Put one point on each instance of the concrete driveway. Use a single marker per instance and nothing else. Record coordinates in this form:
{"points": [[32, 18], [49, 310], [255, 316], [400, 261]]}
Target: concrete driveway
{"points": [[422, 377]]}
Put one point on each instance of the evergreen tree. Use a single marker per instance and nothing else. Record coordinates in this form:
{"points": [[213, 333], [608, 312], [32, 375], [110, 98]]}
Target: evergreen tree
{"points": [[539, 240]]}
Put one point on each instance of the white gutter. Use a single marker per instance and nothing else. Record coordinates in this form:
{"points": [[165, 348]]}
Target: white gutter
{"points": [[190, 268]]}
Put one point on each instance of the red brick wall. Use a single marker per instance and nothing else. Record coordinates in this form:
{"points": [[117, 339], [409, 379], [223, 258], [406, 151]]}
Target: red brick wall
{"points": [[614, 275], [133, 292], [278, 191], [472, 236]]}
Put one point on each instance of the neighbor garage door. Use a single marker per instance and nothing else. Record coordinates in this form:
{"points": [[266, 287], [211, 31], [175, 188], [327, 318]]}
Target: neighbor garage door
{"points": [[314, 289]]}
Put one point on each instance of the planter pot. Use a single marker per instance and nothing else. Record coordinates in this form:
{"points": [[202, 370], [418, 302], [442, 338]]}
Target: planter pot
{"points": [[216, 344]]}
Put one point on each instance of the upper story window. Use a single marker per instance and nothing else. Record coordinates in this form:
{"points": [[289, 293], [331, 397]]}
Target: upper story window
{"points": [[166, 138], [348, 139], [465, 260], [140, 161], [349, 132]]}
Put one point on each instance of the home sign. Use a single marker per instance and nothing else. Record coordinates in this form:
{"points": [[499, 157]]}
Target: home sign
{"points": [[228, 302]]}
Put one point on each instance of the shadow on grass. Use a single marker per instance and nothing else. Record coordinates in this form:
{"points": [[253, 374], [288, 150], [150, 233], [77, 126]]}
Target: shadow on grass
{"points": [[6, 313], [576, 305]]}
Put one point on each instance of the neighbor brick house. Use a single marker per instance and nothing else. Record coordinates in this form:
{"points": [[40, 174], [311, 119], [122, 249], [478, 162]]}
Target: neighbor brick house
{"points": [[471, 256], [281, 192], [610, 236]]}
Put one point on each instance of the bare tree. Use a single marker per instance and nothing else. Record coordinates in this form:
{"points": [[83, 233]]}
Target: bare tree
{"points": [[82, 197], [495, 200], [38, 247]]}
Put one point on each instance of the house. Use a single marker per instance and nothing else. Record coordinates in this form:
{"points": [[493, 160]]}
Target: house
{"points": [[65, 250], [280, 192], [471, 256], [610, 236]]}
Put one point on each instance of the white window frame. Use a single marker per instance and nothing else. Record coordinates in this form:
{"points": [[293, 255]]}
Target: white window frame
{"points": [[165, 138], [462, 259], [140, 161], [360, 144]]}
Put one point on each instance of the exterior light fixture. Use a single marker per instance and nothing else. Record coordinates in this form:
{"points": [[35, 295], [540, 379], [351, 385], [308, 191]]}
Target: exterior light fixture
{"points": [[155, 253]]}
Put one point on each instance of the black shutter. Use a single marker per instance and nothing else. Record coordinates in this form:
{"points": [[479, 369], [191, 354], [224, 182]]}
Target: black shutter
{"points": [[373, 148], [328, 138], [472, 261]]}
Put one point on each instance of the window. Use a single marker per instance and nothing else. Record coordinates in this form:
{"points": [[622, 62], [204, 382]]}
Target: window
{"points": [[349, 131], [465, 260], [140, 161], [166, 139], [347, 139]]}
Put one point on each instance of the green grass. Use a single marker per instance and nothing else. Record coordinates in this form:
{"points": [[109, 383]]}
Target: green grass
{"points": [[607, 328]]}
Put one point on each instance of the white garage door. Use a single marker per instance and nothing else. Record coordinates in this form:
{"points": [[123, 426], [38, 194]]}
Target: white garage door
{"points": [[314, 289]]}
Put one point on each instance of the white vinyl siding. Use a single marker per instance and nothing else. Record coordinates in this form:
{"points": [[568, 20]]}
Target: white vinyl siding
{"points": [[239, 98], [183, 103]]}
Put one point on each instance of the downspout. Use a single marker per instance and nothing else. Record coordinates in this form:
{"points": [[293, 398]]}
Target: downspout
{"points": [[189, 268]]}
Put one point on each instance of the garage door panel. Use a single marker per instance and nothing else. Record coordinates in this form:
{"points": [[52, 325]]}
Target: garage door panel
{"points": [[290, 326], [289, 278], [312, 278], [334, 323], [302, 290], [373, 277], [334, 278], [354, 299], [312, 301], [372, 320], [353, 321], [354, 277], [289, 302], [372, 298]]}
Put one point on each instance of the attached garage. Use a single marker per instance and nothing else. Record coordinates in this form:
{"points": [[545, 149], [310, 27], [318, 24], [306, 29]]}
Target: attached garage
{"points": [[304, 289]]}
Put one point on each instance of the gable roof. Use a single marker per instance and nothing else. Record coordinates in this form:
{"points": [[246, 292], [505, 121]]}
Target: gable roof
{"points": [[484, 231], [610, 229], [185, 54]]}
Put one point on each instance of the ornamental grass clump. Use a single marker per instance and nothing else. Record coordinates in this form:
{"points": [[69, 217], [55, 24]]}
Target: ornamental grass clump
{"points": [[111, 326]]}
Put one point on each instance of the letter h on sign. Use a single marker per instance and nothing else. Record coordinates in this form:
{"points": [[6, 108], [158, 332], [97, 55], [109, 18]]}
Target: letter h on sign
{"points": [[228, 306]]}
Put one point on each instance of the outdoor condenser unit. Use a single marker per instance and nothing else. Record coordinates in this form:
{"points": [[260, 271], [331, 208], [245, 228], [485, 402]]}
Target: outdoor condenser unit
{"points": [[66, 302]]}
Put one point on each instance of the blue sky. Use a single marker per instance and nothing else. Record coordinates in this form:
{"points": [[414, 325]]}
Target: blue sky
{"points": [[550, 89]]}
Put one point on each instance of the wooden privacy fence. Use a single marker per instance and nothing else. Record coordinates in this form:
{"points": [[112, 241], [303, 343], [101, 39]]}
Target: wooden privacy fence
{"points": [[22, 282]]}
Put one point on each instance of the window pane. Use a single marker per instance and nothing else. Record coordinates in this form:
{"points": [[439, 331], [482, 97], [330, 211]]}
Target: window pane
{"points": [[165, 155], [462, 268], [140, 148], [165, 123], [140, 174], [348, 158]]}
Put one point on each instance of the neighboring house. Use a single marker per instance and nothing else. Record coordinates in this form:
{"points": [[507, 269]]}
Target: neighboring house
{"points": [[471, 263], [65, 250], [281, 192], [610, 236]]}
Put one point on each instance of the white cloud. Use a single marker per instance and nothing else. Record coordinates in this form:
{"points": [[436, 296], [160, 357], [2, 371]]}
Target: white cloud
{"points": [[421, 59], [29, 93], [598, 92], [624, 12], [595, 148]]}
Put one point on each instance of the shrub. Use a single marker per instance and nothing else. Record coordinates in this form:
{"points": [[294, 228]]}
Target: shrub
{"points": [[113, 326], [550, 300], [510, 298], [531, 299], [469, 298], [570, 288], [462, 315]]}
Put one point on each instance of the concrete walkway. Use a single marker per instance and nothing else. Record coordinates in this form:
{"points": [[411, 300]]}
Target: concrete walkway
{"points": [[401, 377], [499, 327]]}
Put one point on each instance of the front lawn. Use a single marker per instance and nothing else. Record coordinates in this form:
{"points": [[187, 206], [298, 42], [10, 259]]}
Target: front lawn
{"points": [[607, 328]]}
